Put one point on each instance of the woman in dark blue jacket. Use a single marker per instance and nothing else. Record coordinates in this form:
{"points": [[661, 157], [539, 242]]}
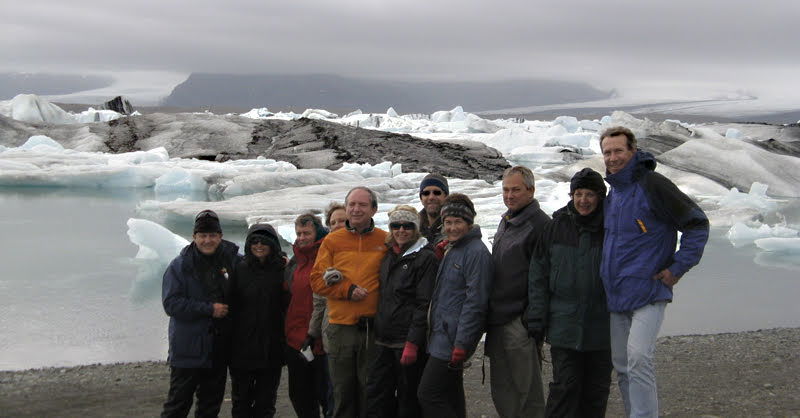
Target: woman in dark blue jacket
{"points": [[457, 315], [257, 313]]}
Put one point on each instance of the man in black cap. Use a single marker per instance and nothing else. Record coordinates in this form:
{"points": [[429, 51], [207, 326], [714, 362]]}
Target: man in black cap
{"points": [[194, 294], [432, 191]]}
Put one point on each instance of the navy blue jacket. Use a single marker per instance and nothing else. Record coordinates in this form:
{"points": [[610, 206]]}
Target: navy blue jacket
{"points": [[460, 301], [643, 213], [186, 301]]}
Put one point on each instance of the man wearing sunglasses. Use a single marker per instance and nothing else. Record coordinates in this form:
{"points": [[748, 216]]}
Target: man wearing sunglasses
{"points": [[195, 294], [432, 191]]}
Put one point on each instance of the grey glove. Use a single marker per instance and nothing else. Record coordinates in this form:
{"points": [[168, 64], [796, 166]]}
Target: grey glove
{"points": [[332, 276]]}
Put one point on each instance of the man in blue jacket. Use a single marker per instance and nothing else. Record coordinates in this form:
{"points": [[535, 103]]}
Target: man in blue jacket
{"points": [[643, 213], [195, 296]]}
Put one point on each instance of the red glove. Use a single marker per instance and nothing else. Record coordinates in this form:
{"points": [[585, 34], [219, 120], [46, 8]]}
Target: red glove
{"points": [[409, 356], [458, 356]]}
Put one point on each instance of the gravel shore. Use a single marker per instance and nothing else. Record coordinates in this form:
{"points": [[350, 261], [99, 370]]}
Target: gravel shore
{"points": [[727, 375]]}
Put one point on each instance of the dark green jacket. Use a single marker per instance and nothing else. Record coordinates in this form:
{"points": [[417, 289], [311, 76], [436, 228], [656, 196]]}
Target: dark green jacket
{"points": [[565, 293]]}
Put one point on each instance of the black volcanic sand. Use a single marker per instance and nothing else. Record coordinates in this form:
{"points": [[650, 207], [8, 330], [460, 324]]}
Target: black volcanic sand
{"points": [[738, 374]]}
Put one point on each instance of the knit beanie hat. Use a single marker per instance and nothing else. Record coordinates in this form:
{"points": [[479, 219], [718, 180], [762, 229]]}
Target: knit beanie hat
{"points": [[435, 180], [404, 214], [588, 179], [207, 221], [458, 205]]}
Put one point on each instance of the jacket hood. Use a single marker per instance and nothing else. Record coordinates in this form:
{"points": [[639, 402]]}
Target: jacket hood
{"points": [[641, 162], [263, 229]]}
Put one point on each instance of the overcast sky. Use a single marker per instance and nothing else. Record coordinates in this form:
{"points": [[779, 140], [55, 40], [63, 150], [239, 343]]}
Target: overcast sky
{"points": [[748, 45]]}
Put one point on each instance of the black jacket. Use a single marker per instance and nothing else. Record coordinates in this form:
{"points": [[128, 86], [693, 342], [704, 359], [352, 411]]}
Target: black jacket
{"points": [[433, 232], [257, 308], [406, 285], [511, 252], [566, 293]]}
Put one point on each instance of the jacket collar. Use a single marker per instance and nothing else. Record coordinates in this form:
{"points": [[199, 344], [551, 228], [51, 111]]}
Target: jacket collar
{"points": [[421, 242], [522, 215], [641, 162], [308, 251], [473, 233], [355, 231]]}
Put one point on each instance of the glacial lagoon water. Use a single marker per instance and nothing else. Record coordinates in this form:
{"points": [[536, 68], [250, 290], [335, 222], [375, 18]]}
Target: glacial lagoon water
{"points": [[70, 294]]}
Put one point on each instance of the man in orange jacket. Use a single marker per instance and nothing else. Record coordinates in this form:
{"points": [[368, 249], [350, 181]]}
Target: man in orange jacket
{"points": [[346, 272]]}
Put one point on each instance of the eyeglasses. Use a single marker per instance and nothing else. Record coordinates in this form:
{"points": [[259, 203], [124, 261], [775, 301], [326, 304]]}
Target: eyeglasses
{"points": [[435, 192], [408, 226]]}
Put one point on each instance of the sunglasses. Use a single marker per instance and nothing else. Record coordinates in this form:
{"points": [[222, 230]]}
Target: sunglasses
{"points": [[259, 239], [408, 226], [435, 192]]}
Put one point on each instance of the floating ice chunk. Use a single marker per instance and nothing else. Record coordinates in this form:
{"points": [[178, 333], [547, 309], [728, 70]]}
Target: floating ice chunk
{"points": [[366, 170], [92, 115], [580, 140], [154, 241], [733, 133], [260, 113], [741, 234], [557, 130], [41, 143], [155, 155], [157, 247], [590, 125], [454, 115], [179, 180], [392, 113], [318, 114], [570, 123], [756, 199], [31, 108], [606, 120], [506, 140], [354, 113], [780, 245], [532, 156]]}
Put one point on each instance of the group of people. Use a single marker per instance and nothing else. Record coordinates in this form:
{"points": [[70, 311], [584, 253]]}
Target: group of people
{"points": [[374, 323]]}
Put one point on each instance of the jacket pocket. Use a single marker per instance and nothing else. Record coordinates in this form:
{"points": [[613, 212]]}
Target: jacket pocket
{"points": [[188, 344]]}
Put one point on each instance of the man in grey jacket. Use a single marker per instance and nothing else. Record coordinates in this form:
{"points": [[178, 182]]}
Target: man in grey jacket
{"points": [[515, 371]]}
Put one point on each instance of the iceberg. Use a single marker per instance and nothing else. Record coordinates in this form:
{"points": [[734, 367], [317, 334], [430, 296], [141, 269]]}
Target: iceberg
{"points": [[31, 108], [779, 245]]}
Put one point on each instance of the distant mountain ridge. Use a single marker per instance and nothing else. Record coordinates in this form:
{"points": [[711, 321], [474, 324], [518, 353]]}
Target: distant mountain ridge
{"points": [[12, 84], [336, 92]]}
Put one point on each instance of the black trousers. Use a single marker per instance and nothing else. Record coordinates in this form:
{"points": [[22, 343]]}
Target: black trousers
{"points": [[392, 387], [441, 391], [183, 383], [310, 387], [581, 383], [254, 392]]}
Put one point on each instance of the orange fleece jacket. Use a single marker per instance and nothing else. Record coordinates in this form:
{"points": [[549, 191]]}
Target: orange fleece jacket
{"points": [[358, 257]]}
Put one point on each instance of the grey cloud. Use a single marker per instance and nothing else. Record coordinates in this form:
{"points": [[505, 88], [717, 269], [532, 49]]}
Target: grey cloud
{"points": [[404, 39]]}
